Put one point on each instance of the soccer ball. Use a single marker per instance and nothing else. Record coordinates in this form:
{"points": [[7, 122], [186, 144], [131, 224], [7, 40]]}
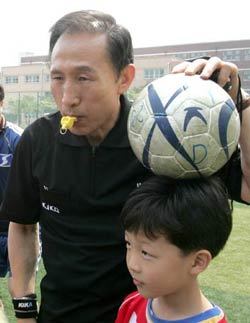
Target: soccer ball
{"points": [[183, 127]]}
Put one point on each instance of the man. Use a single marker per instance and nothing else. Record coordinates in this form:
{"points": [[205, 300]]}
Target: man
{"points": [[9, 136], [76, 183]]}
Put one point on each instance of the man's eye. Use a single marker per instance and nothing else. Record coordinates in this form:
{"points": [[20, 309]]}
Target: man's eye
{"points": [[56, 78], [83, 78]]}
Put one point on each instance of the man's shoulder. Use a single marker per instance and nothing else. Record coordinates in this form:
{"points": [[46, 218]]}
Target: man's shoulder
{"points": [[51, 118], [43, 124]]}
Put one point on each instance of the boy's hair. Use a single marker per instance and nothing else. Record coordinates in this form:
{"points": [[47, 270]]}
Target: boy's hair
{"points": [[192, 214], [119, 42], [1, 93]]}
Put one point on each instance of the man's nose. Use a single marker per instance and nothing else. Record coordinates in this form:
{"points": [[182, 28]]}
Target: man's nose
{"points": [[71, 96]]}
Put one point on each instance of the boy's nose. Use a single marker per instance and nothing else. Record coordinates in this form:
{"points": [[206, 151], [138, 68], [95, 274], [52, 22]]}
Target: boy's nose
{"points": [[132, 263]]}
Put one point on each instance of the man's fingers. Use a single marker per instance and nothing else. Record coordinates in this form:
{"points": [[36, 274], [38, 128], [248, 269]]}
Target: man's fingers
{"points": [[210, 66], [180, 68], [196, 67], [226, 72], [192, 68]]}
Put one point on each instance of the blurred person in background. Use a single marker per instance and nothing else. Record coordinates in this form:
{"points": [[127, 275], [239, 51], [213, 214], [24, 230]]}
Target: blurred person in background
{"points": [[9, 136]]}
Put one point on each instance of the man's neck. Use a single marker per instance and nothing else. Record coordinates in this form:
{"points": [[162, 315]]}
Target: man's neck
{"points": [[100, 134]]}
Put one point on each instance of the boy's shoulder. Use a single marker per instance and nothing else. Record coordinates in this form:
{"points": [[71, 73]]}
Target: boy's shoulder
{"points": [[133, 307]]}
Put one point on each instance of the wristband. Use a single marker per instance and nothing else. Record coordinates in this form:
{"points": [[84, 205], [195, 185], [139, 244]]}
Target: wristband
{"points": [[25, 307]]}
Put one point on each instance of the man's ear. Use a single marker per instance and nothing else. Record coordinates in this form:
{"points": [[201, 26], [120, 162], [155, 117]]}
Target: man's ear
{"points": [[201, 260], [126, 78]]}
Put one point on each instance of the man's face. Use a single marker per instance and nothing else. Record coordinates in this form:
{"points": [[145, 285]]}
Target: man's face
{"points": [[85, 84]]}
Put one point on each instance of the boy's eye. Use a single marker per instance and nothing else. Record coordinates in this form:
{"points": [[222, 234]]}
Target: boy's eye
{"points": [[146, 255]]}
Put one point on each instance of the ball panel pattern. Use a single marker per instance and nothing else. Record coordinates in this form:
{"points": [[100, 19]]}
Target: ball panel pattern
{"points": [[183, 126]]}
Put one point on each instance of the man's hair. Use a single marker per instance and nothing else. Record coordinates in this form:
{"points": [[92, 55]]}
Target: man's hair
{"points": [[119, 42], [1, 93], [192, 214]]}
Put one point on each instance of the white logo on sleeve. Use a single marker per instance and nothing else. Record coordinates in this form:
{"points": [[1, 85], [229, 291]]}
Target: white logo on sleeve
{"points": [[5, 160], [133, 318]]}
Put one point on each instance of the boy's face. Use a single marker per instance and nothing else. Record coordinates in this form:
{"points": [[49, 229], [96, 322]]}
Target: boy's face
{"points": [[158, 268]]}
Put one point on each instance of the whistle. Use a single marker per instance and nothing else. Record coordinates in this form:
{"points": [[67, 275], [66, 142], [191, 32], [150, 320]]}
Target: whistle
{"points": [[67, 122]]}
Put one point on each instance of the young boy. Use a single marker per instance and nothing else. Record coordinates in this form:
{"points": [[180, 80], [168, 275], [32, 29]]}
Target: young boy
{"points": [[173, 228]]}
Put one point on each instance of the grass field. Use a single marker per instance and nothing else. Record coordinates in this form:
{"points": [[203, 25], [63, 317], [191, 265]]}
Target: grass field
{"points": [[226, 282]]}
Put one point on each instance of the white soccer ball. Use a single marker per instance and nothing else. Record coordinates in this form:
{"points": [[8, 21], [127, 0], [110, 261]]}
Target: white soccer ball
{"points": [[183, 127]]}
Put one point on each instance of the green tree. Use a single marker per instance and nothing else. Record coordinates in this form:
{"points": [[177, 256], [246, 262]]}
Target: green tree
{"points": [[133, 93], [24, 109], [47, 104]]}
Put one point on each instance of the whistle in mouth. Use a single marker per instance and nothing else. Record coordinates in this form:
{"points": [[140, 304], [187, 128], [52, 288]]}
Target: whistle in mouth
{"points": [[67, 122]]}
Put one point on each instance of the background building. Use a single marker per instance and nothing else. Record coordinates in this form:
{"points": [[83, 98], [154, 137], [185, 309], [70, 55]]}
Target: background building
{"points": [[27, 90], [27, 85], [152, 62]]}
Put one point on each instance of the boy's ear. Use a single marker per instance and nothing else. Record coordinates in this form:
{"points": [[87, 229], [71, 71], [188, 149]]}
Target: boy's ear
{"points": [[201, 261], [126, 78]]}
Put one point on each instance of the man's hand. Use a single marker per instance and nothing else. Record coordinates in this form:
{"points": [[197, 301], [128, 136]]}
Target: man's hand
{"points": [[227, 72]]}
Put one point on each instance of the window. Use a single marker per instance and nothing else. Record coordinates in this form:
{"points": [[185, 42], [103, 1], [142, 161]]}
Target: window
{"points": [[153, 73], [31, 78], [11, 79], [191, 55], [246, 75], [46, 77], [231, 55], [182, 55], [247, 54]]}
